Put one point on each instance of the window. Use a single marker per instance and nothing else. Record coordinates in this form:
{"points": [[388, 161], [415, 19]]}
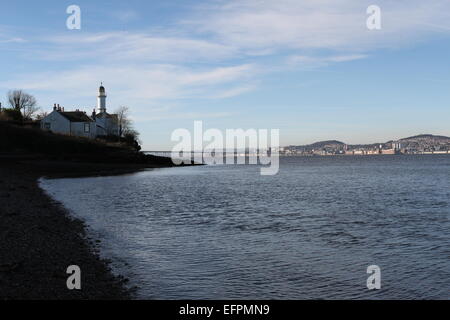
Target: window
{"points": [[47, 125], [87, 127]]}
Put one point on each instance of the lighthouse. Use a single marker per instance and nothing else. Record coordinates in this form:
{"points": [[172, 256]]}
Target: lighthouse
{"points": [[101, 99]]}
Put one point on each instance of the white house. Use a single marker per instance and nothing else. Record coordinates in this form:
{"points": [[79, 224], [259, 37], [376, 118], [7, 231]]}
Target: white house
{"points": [[74, 123], [78, 123]]}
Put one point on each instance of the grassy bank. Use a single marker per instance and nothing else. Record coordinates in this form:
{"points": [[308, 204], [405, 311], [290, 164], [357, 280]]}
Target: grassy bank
{"points": [[18, 140]]}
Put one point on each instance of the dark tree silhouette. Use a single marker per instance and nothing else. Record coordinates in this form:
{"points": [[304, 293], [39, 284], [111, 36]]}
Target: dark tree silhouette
{"points": [[22, 101]]}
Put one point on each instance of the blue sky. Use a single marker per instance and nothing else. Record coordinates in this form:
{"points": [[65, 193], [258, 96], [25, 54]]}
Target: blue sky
{"points": [[309, 68]]}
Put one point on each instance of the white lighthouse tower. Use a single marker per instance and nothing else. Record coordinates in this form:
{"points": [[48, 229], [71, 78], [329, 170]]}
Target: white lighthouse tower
{"points": [[101, 100]]}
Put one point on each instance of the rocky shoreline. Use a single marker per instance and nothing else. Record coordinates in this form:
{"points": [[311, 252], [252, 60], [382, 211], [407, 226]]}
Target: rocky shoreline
{"points": [[39, 239]]}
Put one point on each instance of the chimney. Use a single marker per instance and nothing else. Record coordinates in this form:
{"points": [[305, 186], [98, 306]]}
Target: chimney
{"points": [[58, 107], [62, 109], [54, 107], [93, 114]]}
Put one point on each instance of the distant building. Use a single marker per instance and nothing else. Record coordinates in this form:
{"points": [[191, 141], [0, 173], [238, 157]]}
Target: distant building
{"points": [[396, 145], [389, 151], [78, 123]]}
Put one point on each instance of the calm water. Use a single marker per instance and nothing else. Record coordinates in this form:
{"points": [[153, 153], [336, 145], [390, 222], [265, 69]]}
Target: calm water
{"points": [[226, 232]]}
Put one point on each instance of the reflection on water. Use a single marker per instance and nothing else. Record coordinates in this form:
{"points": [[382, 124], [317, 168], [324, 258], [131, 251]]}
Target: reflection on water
{"points": [[226, 232]]}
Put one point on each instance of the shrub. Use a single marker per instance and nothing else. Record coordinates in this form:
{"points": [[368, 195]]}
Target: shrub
{"points": [[132, 140], [11, 115]]}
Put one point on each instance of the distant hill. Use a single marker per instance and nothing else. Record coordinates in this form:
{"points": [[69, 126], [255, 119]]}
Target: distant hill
{"points": [[328, 144], [425, 136], [421, 142], [322, 144], [427, 142]]}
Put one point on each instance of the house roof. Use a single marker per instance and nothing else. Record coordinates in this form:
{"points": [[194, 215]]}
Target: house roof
{"points": [[76, 116]]}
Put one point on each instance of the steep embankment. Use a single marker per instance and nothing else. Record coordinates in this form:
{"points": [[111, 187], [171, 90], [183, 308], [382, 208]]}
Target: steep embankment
{"points": [[19, 141]]}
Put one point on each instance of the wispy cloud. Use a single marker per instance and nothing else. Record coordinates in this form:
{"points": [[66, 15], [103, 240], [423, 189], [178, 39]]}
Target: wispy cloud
{"points": [[12, 40], [320, 61], [185, 116], [9, 36], [235, 30], [125, 46], [139, 84], [233, 92], [322, 24]]}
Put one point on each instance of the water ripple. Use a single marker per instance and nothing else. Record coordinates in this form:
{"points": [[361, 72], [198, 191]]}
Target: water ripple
{"points": [[225, 232]]}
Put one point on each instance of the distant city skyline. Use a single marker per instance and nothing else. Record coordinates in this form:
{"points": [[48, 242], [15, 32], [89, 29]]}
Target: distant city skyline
{"points": [[309, 68]]}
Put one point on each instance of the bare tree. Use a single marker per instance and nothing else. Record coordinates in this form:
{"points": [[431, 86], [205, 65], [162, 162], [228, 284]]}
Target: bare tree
{"points": [[20, 100], [30, 112], [41, 115], [123, 120]]}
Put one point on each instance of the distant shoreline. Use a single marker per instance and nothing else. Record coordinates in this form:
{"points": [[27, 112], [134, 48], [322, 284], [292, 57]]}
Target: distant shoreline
{"points": [[365, 155]]}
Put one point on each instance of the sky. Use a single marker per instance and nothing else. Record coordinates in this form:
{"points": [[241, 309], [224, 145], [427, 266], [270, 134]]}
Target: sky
{"points": [[310, 68]]}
